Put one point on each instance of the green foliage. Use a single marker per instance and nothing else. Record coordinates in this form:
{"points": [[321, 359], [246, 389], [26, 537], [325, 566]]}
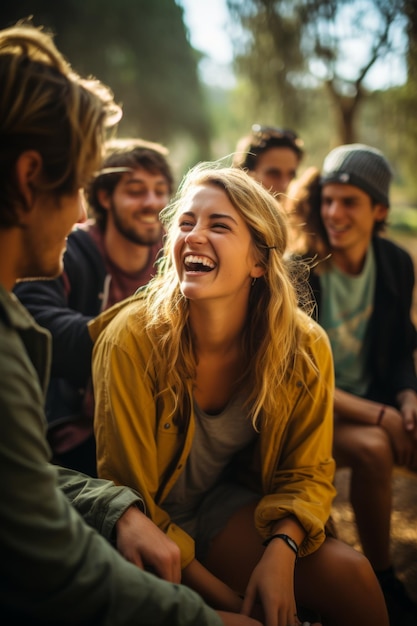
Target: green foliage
{"points": [[140, 49], [270, 55], [288, 46], [403, 219]]}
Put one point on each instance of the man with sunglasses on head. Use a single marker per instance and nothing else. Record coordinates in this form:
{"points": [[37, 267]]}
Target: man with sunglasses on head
{"points": [[270, 155]]}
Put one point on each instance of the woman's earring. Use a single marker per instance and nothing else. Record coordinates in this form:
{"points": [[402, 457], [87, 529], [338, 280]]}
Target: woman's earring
{"points": [[253, 281]]}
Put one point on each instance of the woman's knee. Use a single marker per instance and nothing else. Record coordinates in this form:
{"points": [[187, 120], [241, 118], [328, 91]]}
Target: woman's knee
{"points": [[356, 567], [338, 570]]}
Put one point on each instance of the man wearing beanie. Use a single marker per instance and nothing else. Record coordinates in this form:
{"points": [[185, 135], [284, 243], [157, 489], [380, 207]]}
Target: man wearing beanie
{"points": [[363, 286]]}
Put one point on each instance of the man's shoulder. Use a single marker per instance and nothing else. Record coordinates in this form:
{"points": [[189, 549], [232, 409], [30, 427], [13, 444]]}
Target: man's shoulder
{"points": [[82, 236], [12, 312], [392, 260], [389, 247], [83, 248]]}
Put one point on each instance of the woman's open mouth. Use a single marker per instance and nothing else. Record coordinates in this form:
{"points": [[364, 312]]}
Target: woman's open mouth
{"points": [[197, 263]]}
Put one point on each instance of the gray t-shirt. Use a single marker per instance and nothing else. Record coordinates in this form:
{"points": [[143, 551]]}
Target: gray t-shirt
{"points": [[216, 440]]}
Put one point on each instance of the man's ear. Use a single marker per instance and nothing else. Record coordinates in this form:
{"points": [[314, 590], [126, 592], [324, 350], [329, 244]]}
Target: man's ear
{"points": [[104, 198], [28, 172], [380, 212]]}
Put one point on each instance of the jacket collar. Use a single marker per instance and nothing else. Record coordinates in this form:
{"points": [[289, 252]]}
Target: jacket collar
{"points": [[13, 311]]}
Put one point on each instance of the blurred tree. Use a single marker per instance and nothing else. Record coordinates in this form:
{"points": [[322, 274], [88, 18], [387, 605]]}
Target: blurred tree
{"points": [[408, 99], [287, 46], [391, 118], [141, 50], [339, 23], [268, 51]]}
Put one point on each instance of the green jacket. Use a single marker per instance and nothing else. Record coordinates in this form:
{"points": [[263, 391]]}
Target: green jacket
{"points": [[55, 568], [140, 445]]}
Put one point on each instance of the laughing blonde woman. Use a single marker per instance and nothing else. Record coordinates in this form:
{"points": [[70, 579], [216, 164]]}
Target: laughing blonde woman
{"points": [[214, 396]]}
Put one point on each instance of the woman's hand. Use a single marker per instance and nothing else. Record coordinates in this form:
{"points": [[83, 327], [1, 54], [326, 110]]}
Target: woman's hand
{"points": [[272, 585]]}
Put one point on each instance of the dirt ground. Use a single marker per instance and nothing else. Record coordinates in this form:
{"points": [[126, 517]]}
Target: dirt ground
{"points": [[404, 516], [403, 523]]}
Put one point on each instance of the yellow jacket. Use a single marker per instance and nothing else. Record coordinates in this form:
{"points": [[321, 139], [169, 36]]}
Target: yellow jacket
{"points": [[140, 445]]}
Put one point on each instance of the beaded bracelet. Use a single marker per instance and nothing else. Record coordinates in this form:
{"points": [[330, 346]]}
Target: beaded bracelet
{"points": [[381, 415], [290, 542]]}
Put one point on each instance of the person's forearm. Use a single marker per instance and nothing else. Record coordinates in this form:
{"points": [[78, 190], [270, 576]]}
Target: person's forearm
{"points": [[355, 409], [291, 527], [216, 593]]}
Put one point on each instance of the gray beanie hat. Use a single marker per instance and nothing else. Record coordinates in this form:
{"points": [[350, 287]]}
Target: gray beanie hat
{"points": [[361, 166]]}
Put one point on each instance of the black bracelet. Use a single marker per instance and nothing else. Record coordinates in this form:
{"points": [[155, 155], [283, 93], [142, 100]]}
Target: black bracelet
{"points": [[290, 542]]}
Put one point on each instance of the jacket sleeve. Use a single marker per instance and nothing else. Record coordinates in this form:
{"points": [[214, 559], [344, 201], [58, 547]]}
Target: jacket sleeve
{"points": [[392, 353], [298, 466], [134, 446], [404, 372], [100, 502], [55, 568]]}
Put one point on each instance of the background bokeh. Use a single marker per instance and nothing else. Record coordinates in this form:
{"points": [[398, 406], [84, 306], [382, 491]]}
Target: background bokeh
{"points": [[336, 71]]}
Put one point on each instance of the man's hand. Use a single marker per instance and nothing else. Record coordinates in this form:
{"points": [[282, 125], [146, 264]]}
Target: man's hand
{"points": [[142, 543], [402, 441], [407, 400]]}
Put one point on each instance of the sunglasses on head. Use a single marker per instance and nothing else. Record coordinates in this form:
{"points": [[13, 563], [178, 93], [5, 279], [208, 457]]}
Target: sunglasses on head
{"points": [[263, 134]]}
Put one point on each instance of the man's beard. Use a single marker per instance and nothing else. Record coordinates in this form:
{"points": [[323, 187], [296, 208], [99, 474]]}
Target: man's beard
{"points": [[129, 233]]}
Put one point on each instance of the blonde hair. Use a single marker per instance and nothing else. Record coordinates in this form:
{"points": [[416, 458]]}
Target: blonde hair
{"points": [[47, 107], [271, 337]]}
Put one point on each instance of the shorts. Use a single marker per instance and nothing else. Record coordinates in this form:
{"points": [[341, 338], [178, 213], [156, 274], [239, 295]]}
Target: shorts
{"points": [[213, 513]]}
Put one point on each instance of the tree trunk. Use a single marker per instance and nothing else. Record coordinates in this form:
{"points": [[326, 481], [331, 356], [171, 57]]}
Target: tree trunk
{"points": [[346, 111]]}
